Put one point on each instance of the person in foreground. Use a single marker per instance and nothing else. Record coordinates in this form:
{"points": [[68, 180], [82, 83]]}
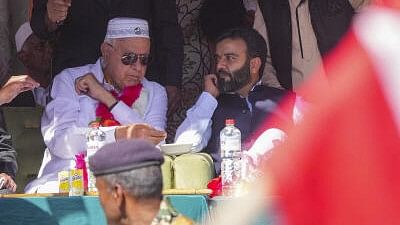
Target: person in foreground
{"points": [[235, 92], [129, 181], [112, 91]]}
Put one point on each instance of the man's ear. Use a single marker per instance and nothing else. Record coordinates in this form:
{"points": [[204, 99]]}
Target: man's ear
{"points": [[118, 194], [255, 65], [21, 56], [105, 50]]}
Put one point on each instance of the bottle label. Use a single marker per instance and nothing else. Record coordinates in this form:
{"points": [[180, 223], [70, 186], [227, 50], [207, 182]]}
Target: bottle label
{"points": [[91, 182], [95, 140], [231, 175], [92, 147], [230, 148]]}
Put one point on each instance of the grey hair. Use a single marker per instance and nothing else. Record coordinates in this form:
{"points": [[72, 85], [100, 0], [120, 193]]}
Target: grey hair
{"points": [[110, 41], [142, 183]]}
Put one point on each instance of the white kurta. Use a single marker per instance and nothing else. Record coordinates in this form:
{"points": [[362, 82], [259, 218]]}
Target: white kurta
{"points": [[196, 128], [66, 118]]}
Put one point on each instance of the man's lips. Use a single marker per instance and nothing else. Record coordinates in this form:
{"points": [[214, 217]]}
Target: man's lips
{"points": [[133, 78], [225, 76]]}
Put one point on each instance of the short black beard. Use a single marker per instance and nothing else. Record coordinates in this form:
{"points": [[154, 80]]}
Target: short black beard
{"points": [[237, 79]]}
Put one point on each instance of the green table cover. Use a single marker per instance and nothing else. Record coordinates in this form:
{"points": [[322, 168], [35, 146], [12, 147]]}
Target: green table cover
{"points": [[84, 210]]}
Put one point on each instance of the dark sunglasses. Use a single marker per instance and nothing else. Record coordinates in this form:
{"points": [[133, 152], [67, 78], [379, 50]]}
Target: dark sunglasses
{"points": [[131, 58]]}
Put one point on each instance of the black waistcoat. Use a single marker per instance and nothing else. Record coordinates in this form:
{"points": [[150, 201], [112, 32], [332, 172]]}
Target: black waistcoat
{"points": [[235, 107], [330, 20]]}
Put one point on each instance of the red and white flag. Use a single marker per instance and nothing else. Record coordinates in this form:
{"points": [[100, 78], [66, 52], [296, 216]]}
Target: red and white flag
{"points": [[341, 166]]}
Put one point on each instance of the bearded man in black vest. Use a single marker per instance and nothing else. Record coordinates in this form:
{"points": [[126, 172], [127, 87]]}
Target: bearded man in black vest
{"points": [[235, 92]]}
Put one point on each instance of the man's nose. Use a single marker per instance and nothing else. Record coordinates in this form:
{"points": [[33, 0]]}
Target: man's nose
{"points": [[221, 64], [138, 65]]}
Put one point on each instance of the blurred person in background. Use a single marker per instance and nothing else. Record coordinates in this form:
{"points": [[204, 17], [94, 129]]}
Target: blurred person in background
{"points": [[298, 34], [8, 163], [35, 54]]}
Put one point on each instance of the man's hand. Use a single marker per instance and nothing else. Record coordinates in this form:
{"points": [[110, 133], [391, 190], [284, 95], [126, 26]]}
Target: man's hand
{"points": [[210, 85], [88, 85], [6, 182], [174, 98], [57, 10], [142, 131], [16, 85]]}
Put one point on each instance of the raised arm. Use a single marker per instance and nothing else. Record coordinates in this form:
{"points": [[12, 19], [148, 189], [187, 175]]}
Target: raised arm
{"points": [[66, 118], [196, 128], [47, 15], [16, 85]]}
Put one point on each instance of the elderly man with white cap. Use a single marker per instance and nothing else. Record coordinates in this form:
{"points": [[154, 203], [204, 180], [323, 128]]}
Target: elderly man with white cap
{"points": [[112, 91]]}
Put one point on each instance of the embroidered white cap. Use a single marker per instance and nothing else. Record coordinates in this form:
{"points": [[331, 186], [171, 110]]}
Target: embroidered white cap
{"points": [[22, 34], [127, 27]]}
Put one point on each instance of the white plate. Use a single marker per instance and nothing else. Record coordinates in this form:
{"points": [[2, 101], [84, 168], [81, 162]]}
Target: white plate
{"points": [[176, 149]]}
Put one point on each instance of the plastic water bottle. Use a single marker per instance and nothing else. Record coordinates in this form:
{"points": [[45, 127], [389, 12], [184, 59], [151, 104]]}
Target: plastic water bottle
{"points": [[231, 165], [95, 140]]}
